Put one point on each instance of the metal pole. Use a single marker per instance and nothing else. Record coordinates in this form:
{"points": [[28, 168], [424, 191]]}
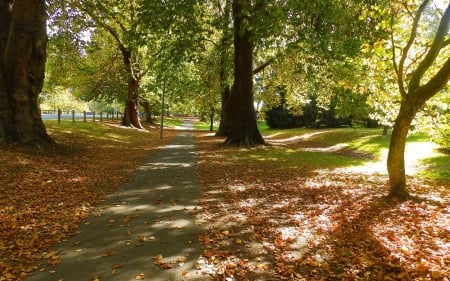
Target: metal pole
{"points": [[161, 126]]}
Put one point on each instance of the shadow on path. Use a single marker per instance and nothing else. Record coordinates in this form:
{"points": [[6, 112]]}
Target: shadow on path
{"points": [[147, 229]]}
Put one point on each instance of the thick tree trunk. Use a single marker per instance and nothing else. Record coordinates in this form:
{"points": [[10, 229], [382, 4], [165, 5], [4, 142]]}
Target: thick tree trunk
{"points": [[148, 111], [396, 159], [224, 125], [243, 127], [23, 43], [131, 114]]}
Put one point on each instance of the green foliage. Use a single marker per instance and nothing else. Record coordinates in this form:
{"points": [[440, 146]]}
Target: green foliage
{"points": [[441, 133], [101, 75]]}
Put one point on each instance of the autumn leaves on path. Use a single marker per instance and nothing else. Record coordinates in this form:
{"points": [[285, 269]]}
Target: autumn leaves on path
{"points": [[146, 230]]}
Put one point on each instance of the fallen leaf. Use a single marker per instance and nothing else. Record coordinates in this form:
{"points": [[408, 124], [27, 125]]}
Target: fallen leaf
{"points": [[140, 276], [108, 253]]}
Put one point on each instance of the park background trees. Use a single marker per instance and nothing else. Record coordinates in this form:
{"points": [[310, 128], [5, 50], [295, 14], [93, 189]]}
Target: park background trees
{"points": [[232, 54]]}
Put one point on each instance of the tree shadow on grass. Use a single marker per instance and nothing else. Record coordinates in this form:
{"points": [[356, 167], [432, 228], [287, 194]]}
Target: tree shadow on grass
{"points": [[317, 225]]}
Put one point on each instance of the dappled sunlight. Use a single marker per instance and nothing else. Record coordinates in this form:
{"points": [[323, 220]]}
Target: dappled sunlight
{"points": [[416, 152], [281, 139], [311, 223]]}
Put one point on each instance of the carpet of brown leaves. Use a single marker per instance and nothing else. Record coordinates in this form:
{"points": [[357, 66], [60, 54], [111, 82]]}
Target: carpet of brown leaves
{"points": [[265, 221], [44, 193], [269, 221]]}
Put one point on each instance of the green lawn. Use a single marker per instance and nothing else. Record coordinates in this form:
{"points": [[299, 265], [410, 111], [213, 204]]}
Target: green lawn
{"points": [[342, 147]]}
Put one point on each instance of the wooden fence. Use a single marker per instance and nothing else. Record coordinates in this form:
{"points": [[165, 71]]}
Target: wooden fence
{"points": [[83, 116]]}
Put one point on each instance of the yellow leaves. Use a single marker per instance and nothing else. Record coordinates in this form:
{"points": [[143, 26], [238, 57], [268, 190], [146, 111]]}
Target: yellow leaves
{"points": [[108, 253], [140, 276], [53, 258], [126, 219], [160, 262]]}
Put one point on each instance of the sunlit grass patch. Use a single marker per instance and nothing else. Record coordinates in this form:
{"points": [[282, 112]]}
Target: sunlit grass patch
{"points": [[323, 219], [170, 121], [437, 167], [109, 132], [205, 126], [295, 158]]}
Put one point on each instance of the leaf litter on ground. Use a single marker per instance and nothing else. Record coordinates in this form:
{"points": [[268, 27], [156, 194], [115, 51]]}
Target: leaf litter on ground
{"points": [[45, 193], [269, 220]]}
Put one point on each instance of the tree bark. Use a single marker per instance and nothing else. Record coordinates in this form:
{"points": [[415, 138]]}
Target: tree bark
{"points": [[396, 159], [23, 43], [131, 114], [224, 125], [413, 99], [148, 111], [243, 127]]}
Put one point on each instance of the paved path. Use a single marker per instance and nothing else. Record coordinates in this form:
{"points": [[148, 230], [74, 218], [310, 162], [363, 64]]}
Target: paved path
{"points": [[147, 225]]}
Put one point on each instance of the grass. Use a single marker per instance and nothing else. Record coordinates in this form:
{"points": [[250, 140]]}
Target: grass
{"points": [[437, 167], [170, 121], [204, 126], [343, 147], [309, 205]]}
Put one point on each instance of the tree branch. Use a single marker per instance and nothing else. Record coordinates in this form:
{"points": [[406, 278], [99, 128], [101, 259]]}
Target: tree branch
{"points": [[264, 65], [405, 51], [437, 83], [433, 52]]}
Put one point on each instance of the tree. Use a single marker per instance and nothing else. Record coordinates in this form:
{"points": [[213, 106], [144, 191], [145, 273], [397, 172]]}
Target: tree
{"points": [[100, 75], [144, 32], [274, 30], [23, 42], [122, 21], [430, 74], [243, 128]]}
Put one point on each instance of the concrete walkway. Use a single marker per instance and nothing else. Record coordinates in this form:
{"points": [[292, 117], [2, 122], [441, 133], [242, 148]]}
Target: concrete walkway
{"points": [[145, 231]]}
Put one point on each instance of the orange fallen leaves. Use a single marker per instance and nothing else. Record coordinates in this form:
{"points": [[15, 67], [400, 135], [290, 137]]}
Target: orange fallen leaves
{"points": [[140, 276], [314, 225], [44, 194], [161, 263]]}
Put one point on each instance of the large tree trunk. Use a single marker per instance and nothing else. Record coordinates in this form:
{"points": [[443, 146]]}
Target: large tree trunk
{"points": [[148, 110], [23, 43], [414, 97], [224, 125], [243, 127], [131, 114], [396, 161]]}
